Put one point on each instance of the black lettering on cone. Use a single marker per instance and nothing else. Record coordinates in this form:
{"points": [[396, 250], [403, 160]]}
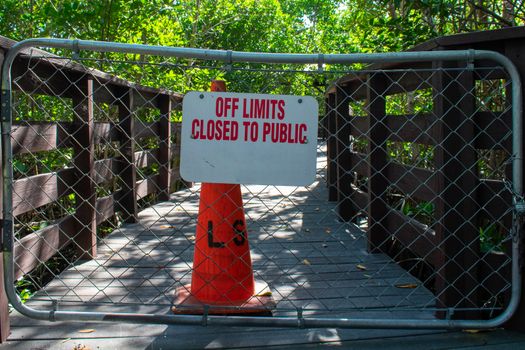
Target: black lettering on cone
{"points": [[211, 243], [240, 232]]}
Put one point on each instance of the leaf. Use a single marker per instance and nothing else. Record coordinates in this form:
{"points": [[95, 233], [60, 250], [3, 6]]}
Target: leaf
{"points": [[471, 331], [306, 230], [167, 226], [88, 330], [407, 285], [361, 267], [327, 231], [191, 238], [266, 293], [307, 262], [317, 209]]}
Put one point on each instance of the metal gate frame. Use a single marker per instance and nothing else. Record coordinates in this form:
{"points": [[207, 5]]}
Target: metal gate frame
{"points": [[230, 57]]}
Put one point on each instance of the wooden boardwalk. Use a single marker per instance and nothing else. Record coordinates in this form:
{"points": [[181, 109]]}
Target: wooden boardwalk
{"points": [[310, 259]]}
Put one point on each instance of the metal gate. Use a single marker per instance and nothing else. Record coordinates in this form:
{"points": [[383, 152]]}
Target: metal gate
{"points": [[412, 222]]}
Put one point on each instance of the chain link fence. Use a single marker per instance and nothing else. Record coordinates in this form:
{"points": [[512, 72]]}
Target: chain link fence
{"points": [[409, 223]]}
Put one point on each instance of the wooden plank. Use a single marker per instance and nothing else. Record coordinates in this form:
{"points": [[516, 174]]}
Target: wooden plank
{"points": [[412, 128], [415, 236], [494, 199], [146, 158], [105, 170], [164, 159], [493, 130], [515, 51], [359, 198], [359, 163], [145, 129], [456, 206], [35, 191], [35, 137], [104, 208], [102, 132], [331, 148], [378, 235], [84, 162], [127, 199], [415, 182], [359, 126], [40, 246], [345, 177], [147, 186]]}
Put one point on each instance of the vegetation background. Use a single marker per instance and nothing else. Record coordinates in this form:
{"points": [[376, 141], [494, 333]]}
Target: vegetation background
{"points": [[310, 26]]}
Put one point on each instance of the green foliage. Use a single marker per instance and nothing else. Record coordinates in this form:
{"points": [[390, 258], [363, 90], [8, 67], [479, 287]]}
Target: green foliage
{"points": [[422, 211], [491, 238]]}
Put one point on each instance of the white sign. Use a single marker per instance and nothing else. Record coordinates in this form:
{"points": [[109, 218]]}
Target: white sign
{"points": [[249, 138]]}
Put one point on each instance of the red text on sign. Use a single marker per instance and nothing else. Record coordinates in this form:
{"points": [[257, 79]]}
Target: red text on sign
{"points": [[227, 130]]}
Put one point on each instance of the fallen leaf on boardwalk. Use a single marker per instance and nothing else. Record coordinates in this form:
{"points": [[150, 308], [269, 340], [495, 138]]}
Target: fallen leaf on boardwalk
{"points": [[328, 230], [167, 226], [361, 267], [472, 331], [191, 238], [81, 347], [317, 209], [407, 285], [307, 262], [267, 293], [90, 330], [367, 276], [306, 230]]}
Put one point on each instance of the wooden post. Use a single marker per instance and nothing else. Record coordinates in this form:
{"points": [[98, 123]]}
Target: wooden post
{"points": [[515, 51], [377, 179], [456, 205], [127, 198], [84, 188], [4, 307], [164, 128], [331, 148], [345, 177]]}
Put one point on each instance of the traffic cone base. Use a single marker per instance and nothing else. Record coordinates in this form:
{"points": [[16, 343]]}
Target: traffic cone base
{"points": [[260, 304]]}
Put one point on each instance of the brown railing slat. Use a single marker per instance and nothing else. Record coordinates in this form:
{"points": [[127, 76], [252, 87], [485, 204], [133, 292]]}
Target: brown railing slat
{"points": [[146, 158], [105, 208], [413, 235], [417, 182], [38, 247], [147, 186], [35, 191]]}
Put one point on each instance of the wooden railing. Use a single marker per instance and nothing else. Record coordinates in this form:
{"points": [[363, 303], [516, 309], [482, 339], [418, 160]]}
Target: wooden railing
{"points": [[456, 130], [85, 88]]}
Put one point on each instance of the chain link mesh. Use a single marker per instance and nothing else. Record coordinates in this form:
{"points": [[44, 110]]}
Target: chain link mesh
{"points": [[410, 213]]}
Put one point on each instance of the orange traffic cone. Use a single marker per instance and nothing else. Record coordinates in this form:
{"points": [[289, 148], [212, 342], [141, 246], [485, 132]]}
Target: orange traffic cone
{"points": [[222, 275]]}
